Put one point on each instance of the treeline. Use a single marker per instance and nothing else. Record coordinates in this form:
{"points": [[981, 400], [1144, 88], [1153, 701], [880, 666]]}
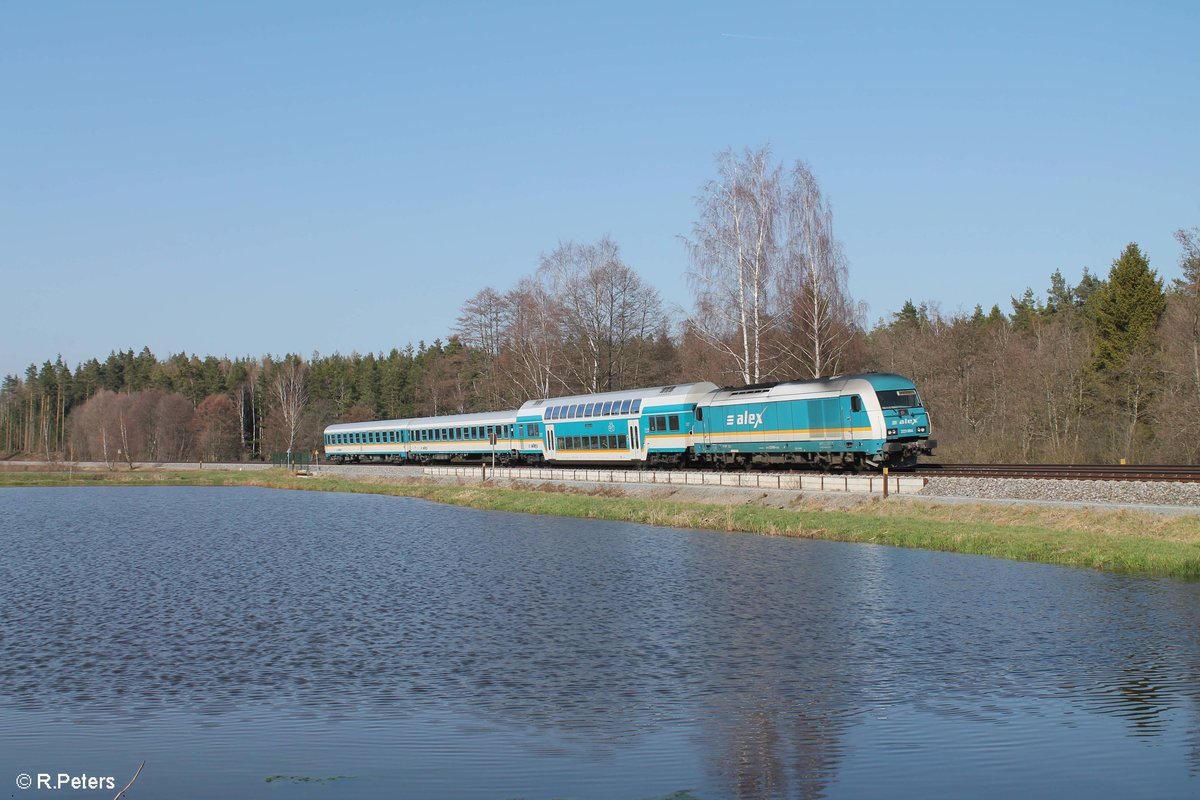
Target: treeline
{"points": [[1099, 370]]}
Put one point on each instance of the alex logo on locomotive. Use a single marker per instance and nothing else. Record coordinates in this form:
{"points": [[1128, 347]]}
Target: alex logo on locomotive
{"points": [[746, 418]]}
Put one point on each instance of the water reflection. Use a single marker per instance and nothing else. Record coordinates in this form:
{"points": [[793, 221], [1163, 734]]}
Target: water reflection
{"points": [[585, 641]]}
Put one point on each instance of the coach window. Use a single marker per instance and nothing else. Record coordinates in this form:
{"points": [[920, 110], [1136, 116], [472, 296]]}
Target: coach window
{"points": [[662, 423], [637, 406], [621, 443], [590, 410], [673, 422], [856, 403]]}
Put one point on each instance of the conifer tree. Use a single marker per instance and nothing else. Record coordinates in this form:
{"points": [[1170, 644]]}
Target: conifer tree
{"points": [[1126, 310]]}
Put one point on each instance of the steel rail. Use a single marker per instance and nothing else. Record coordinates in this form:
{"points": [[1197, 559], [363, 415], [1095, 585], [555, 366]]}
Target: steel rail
{"points": [[1092, 472]]}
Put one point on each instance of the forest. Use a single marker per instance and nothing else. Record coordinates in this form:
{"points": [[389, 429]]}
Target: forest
{"points": [[1089, 370]]}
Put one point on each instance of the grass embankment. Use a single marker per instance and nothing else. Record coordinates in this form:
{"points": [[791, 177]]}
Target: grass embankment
{"points": [[1117, 541]]}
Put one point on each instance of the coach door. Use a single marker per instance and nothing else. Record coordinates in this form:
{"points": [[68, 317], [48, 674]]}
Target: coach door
{"points": [[550, 444], [635, 438]]}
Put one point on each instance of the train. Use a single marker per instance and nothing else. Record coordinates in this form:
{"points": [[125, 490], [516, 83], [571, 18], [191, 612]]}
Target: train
{"points": [[844, 423]]}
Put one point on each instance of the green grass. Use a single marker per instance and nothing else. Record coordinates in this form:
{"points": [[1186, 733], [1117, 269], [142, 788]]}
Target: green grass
{"points": [[1117, 541]]}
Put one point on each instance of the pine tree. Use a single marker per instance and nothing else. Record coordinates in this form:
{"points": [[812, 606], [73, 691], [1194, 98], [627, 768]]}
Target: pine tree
{"points": [[1126, 310]]}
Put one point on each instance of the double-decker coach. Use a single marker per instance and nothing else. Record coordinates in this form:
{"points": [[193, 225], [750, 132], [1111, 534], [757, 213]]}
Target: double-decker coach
{"points": [[638, 425]]}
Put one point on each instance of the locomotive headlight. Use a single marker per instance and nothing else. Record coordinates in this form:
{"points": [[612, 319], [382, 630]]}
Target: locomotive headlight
{"points": [[891, 431], [922, 429]]}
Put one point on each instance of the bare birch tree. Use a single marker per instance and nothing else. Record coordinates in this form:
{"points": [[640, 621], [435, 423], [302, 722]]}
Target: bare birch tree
{"points": [[768, 274], [734, 252], [819, 317], [291, 390]]}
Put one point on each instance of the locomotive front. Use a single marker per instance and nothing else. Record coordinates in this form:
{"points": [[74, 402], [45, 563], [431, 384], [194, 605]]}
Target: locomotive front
{"points": [[905, 420]]}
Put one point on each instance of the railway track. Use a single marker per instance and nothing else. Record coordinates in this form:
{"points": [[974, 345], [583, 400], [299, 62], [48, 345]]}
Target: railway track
{"points": [[1088, 472]]}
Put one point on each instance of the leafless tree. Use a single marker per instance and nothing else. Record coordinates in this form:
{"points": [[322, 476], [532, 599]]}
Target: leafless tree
{"points": [[734, 253], [291, 391], [483, 320], [819, 319], [534, 350], [609, 315], [214, 428], [768, 274]]}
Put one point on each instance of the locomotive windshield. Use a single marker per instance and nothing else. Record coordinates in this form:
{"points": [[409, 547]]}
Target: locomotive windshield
{"points": [[899, 398]]}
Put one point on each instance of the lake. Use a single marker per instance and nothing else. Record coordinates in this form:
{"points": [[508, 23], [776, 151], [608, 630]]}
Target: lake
{"points": [[251, 643]]}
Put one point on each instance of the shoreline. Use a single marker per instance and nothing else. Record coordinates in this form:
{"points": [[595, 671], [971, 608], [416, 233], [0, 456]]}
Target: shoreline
{"points": [[1120, 541]]}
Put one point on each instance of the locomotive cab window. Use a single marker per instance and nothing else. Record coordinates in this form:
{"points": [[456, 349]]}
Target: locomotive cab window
{"points": [[898, 398]]}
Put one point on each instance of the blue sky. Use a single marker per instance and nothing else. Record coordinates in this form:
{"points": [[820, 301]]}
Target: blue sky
{"points": [[250, 178]]}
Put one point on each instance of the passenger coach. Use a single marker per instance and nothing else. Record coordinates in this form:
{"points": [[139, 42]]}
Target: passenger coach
{"points": [[639, 425]]}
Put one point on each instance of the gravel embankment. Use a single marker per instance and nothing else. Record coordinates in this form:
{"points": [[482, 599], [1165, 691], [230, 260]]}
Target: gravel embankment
{"points": [[1154, 493]]}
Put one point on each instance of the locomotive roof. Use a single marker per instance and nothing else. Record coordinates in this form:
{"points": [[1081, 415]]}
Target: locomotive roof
{"points": [[835, 383]]}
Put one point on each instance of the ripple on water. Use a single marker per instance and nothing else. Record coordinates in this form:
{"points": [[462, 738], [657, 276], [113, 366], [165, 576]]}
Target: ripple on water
{"points": [[758, 666]]}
